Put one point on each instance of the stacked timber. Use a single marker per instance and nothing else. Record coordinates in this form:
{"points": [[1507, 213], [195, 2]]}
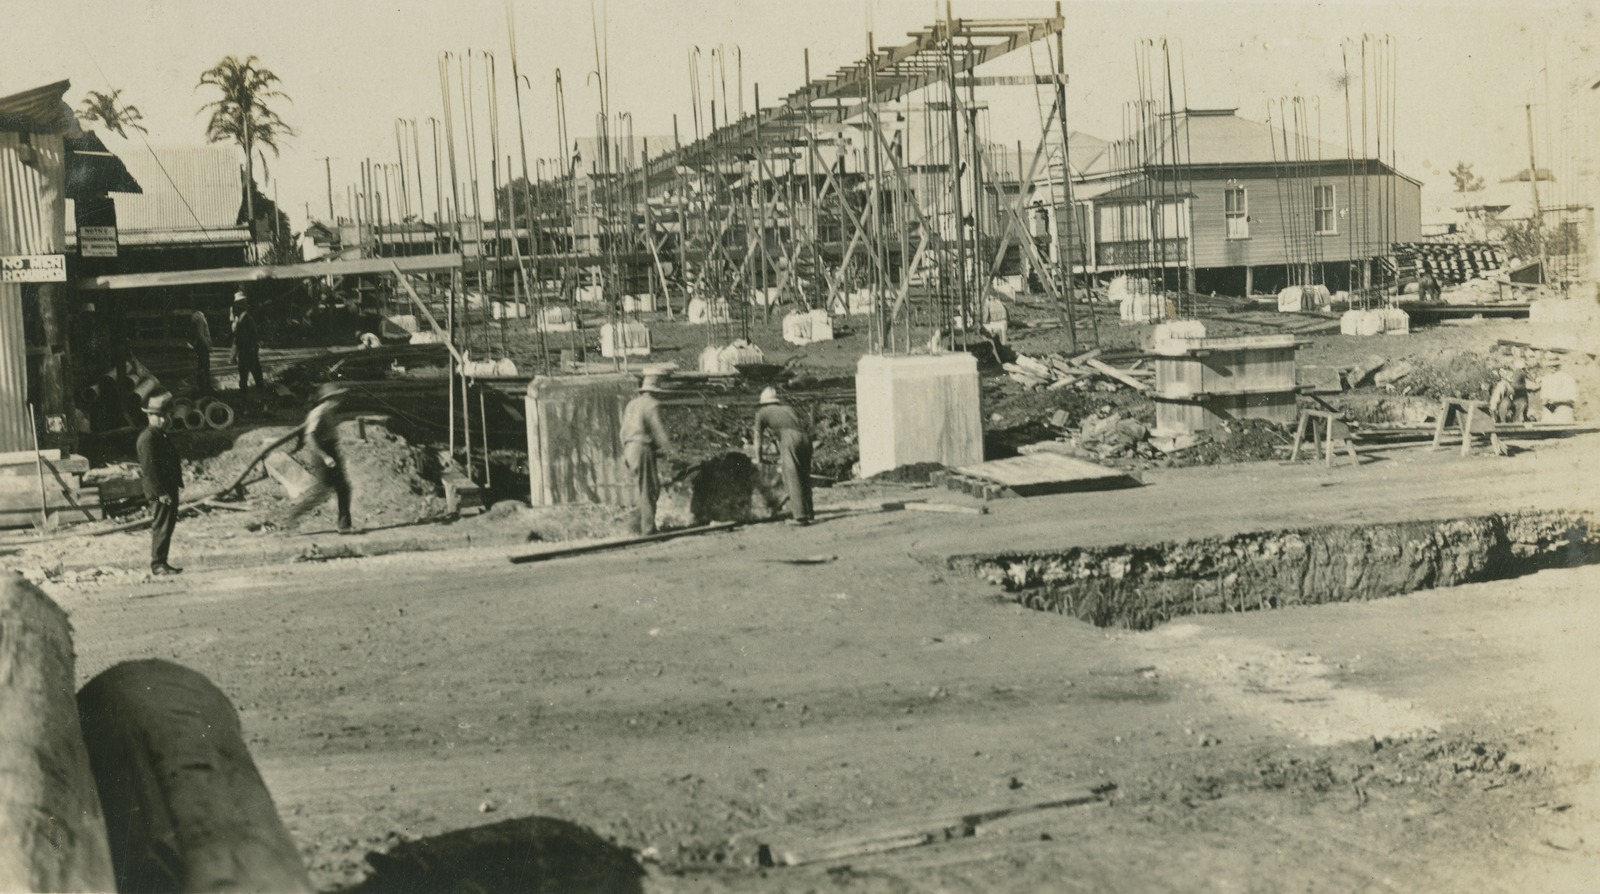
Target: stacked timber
{"points": [[46, 483], [1451, 263], [1053, 372]]}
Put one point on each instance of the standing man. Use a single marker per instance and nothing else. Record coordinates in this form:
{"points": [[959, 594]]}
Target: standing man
{"points": [[200, 341], [320, 432], [794, 451], [644, 438], [246, 343], [163, 477]]}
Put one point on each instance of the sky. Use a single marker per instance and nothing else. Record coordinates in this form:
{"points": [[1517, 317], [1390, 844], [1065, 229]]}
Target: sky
{"points": [[1464, 72]]}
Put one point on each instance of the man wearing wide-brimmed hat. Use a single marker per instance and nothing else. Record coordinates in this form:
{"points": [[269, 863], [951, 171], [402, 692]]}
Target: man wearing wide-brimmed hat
{"points": [[320, 433], [246, 343], [794, 451], [163, 478], [644, 438]]}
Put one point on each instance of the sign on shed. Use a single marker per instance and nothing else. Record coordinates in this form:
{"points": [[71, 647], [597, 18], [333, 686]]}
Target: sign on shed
{"points": [[97, 242], [33, 268]]}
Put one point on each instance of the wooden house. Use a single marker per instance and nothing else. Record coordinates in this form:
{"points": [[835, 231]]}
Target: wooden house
{"points": [[1219, 203]]}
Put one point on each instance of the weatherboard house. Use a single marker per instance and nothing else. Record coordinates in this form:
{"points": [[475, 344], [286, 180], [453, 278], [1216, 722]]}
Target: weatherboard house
{"points": [[1239, 206]]}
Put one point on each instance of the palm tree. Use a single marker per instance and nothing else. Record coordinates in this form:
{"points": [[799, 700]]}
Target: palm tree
{"points": [[242, 116], [104, 108]]}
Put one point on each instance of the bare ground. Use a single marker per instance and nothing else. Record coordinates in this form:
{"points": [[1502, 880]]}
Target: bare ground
{"points": [[694, 699]]}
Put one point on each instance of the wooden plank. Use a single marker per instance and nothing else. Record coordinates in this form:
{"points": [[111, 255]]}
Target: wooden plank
{"points": [[47, 792], [1117, 374], [21, 457], [309, 270], [54, 499], [928, 825], [71, 465], [623, 542]]}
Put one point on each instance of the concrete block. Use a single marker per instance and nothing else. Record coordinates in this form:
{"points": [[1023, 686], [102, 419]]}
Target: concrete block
{"points": [[626, 339], [922, 408], [575, 439]]}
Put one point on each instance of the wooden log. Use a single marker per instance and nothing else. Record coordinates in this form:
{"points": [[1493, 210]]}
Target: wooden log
{"points": [[52, 832], [185, 807]]}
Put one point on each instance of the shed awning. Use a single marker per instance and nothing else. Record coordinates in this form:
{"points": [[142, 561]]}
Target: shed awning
{"points": [[312, 270]]}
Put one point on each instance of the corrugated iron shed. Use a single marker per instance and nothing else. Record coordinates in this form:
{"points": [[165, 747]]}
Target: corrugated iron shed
{"points": [[32, 176]]}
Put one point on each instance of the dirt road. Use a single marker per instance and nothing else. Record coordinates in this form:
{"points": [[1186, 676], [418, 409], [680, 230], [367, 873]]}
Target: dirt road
{"points": [[695, 699]]}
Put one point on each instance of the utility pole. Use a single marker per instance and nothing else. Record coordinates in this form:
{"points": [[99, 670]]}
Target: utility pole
{"points": [[327, 166], [1538, 213]]}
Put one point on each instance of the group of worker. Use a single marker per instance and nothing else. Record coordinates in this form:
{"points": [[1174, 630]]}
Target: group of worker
{"points": [[163, 472], [246, 349], [1558, 394], [645, 440]]}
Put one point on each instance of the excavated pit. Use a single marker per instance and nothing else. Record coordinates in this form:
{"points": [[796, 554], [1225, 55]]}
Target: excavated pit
{"points": [[1140, 586]]}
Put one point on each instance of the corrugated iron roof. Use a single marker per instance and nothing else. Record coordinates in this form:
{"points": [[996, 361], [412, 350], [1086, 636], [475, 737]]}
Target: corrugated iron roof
{"points": [[40, 110], [187, 189]]}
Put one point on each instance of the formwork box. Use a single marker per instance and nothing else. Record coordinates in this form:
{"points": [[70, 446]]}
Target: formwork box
{"points": [[914, 409], [1213, 366], [575, 439], [1201, 382]]}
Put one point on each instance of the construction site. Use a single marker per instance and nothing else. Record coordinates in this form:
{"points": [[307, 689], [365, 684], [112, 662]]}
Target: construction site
{"points": [[961, 465]]}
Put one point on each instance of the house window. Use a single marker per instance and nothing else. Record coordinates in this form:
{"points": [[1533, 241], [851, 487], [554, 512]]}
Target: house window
{"points": [[1236, 211], [1322, 207]]}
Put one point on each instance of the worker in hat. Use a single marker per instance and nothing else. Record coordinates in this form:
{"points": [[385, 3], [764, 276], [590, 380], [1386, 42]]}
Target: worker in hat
{"points": [[163, 477], [1508, 401], [246, 343], [644, 438], [793, 438], [320, 433]]}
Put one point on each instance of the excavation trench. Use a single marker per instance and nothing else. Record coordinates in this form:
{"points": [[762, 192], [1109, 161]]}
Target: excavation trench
{"points": [[1139, 586]]}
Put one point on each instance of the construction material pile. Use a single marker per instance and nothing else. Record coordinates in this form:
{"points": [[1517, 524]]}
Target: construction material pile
{"points": [[1450, 262], [391, 481], [1053, 372], [47, 482]]}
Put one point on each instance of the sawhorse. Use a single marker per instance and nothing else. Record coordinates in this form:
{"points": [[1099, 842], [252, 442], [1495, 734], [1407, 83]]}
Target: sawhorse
{"points": [[1329, 421], [1466, 411]]}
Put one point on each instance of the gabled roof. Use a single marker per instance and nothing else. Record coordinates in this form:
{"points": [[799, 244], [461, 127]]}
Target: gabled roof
{"points": [[189, 192], [1219, 138]]}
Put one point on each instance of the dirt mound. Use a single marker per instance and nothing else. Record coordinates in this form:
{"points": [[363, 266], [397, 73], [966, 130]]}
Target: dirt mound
{"points": [[707, 430], [1427, 762], [391, 482], [553, 524], [1464, 374], [722, 488], [1240, 441]]}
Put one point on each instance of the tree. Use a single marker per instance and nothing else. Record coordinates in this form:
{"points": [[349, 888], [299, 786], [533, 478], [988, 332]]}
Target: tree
{"points": [[1466, 181], [106, 109], [243, 117]]}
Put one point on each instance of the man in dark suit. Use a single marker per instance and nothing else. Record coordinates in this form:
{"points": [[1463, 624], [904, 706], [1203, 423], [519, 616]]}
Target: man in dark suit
{"points": [[246, 344], [163, 477]]}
